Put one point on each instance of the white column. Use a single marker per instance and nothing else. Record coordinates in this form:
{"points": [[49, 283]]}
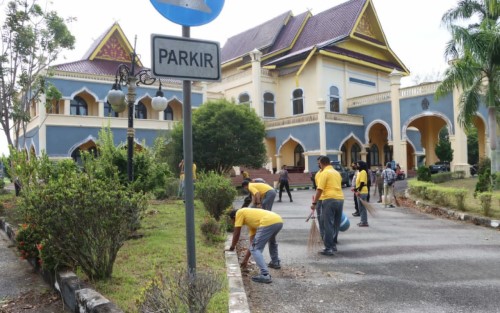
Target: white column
{"points": [[67, 107], [100, 108], [256, 82], [42, 128], [322, 126], [399, 144]]}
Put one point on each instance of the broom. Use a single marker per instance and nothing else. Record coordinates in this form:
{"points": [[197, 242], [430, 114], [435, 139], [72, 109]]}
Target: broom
{"points": [[394, 194], [368, 207], [314, 242]]}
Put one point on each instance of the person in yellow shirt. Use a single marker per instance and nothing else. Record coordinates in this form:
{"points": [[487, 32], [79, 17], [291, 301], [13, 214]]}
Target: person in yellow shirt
{"points": [[262, 194], [361, 191], [263, 227], [318, 201], [329, 191]]}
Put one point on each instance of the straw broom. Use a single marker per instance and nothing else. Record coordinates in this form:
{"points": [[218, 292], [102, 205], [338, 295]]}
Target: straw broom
{"points": [[368, 207], [314, 243], [394, 194]]}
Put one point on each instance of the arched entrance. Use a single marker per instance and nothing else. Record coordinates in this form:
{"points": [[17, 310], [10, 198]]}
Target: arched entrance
{"points": [[292, 155]]}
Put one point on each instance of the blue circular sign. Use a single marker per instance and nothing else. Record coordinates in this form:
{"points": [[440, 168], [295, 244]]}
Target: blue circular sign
{"points": [[189, 12]]}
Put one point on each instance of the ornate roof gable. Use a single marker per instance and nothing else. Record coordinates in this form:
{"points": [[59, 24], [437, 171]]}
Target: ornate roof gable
{"points": [[112, 45]]}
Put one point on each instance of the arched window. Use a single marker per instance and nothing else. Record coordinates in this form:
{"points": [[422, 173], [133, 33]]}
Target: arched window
{"points": [[298, 156], [355, 153], [78, 106], [168, 114], [108, 110], [334, 99], [374, 157], [298, 101], [244, 98], [141, 112], [387, 154], [268, 104], [343, 157]]}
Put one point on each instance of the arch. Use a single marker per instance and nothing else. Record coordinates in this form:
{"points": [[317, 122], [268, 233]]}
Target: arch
{"points": [[173, 112], [378, 121], [485, 122], [84, 90], [146, 96], [289, 138], [244, 98], [427, 114], [80, 143], [346, 138], [78, 106]]}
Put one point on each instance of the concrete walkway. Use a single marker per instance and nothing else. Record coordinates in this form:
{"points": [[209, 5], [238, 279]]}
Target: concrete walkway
{"points": [[406, 261]]}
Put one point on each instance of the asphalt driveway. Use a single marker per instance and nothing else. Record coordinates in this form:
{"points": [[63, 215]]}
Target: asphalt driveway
{"points": [[406, 261]]}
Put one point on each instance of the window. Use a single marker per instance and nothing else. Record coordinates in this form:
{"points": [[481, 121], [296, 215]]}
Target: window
{"points": [[334, 99], [108, 110], [298, 156], [141, 112], [355, 153], [343, 158], [244, 98], [374, 157], [298, 101], [268, 104], [168, 114], [78, 106], [387, 154]]}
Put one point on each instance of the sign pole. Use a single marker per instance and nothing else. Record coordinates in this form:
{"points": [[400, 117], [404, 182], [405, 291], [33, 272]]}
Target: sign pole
{"points": [[188, 169]]}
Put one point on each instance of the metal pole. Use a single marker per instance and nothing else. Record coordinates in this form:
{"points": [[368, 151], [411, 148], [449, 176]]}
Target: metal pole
{"points": [[130, 130], [188, 169]]}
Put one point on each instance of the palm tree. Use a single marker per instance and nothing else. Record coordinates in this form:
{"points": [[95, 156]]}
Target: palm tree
{"points": [[475, 66]]}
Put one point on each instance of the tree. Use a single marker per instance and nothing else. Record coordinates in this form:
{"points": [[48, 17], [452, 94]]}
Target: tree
{"points": [[224, 135], [31, 40], [472, 146], [443, 148], [475, 54]]}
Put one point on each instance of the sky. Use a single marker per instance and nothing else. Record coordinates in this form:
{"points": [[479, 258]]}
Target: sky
{"points": [[412, 28]]}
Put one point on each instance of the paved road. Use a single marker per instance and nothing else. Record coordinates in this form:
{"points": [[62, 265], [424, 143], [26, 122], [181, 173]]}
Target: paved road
{"points": [[405, 261]]}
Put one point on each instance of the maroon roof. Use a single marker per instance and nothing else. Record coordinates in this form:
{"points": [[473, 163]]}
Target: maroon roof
{"points": [[95, 67], [260, 37], [288, 33], [330, 25]]}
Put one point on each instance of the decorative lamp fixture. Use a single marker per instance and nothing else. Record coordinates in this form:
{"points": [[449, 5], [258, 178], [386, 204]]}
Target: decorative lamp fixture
{"points": [[116, 98], [159, 103]]}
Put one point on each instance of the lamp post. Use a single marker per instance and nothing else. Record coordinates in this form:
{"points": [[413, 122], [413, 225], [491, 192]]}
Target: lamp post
{"points": [[126, 76]]}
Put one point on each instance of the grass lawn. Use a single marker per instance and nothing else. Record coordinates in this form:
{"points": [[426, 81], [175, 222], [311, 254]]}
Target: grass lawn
{"points": [[161, 249], [473, 205]]}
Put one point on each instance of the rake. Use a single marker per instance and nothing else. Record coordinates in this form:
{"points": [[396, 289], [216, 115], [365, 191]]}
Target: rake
{"points": [[314, 243]]}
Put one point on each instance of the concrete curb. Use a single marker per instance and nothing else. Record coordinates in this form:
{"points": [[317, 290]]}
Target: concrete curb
{"points": [[75, 294], [456, 215], [238, 302]]}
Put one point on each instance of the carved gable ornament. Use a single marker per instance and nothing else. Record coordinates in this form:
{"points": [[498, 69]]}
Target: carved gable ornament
{"points": [[364, 27], [114, 50], [425, 104]]}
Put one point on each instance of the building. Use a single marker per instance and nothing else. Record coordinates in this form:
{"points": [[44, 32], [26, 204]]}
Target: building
{"points": [[324, 84]]}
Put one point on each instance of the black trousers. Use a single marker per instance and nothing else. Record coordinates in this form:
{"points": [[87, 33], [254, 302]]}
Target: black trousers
{"points": [[284, 184]]}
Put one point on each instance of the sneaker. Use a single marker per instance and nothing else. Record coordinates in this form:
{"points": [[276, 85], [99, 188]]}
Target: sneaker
{"points": [[265, 279], [276, 266], [279, 200], [391, 205], [379, 201], [355, 214], [326, 252], [363, 224], [291, 200]]}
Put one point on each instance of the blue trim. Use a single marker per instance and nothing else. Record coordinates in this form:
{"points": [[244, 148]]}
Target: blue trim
{"points": [[362, 81]]}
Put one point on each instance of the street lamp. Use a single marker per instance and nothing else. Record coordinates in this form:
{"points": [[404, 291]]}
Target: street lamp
{"points": [[126, 76]]}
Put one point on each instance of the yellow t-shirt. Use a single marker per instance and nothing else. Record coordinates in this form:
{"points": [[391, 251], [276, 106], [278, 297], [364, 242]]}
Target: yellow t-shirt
{"points": [[194, 171], [316, 177], [255, 218], [261, 188], [330, 182], [362, 177]]}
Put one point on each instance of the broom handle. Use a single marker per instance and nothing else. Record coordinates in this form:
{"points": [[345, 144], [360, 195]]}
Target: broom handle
{"points": [[310, 216]]}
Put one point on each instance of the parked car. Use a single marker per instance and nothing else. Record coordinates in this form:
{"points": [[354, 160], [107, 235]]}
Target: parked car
{"points": [[438, 167], [344, 172]]}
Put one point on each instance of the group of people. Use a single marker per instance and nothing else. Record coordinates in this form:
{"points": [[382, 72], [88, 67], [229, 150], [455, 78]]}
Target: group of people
{"points": [[328, 202]]}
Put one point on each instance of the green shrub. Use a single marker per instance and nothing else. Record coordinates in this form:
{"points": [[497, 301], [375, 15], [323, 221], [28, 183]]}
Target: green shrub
{"points": [[212, 230], [215, 192], [485, 198], [28, 237], [419, 188], [458, 175], [437, 195], [460, 195], [442, 177], [484, 176], [2, 183], [423, 173]]}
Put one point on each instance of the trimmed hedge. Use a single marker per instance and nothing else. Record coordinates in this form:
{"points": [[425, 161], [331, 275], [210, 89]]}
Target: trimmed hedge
{"points": [[438, 194]]}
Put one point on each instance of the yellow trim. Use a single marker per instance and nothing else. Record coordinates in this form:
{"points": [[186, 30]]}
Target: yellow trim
{"points": [[351, 35], [269, 67], [359, 62], [304, 65], [232, 62], [128, 46]]}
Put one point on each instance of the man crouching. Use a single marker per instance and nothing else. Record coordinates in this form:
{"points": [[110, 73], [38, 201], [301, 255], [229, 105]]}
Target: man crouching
{"points": [[263, 226]]}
